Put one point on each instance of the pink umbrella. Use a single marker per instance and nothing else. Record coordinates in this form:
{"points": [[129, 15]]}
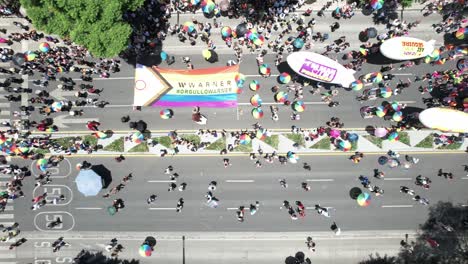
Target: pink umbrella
{"points": [[335, 133], [380, 132]]}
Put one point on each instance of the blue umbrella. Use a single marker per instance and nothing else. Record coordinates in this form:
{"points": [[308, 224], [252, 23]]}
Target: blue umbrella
{"points": [[352, 137], [163, 56], [88, 182], [298, 43]]}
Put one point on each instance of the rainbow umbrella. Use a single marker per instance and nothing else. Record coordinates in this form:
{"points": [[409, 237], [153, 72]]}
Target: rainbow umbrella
{"points": [[42, 164], [397, 116], [356, 85], [44, 47], [344, 145], [376, 77], [376, 4], [380, 111], [188, 27], [208, 6], [292, 157], [226, 32], [166, 113], [261, 134], [393, 136], [298, 106], [257, 113], [244, 139], [239, 89], [461, 33], [137, 137], [254, 85], [363, 199], [60, 69], [440, 61], [100, 135], [264, 69], [255, 100], [29, 55], [194, 2], [24, 150], [380, 132], [281, 97], [258, 40], [386, 92], [352, 137], [298, 43], [284, 78], [395, 106], [145, 250], [51, 129]]}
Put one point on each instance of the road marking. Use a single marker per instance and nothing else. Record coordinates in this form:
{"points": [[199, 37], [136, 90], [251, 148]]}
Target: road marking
{"points": [[6, 255], [4, 104], [240, 181], [232, 208], [258, 75], [320, 180], [6, 216], [464, 205], [402, 74], [5, 112], [162, 181], [161, 209], [465, 178], [397, 206], [88, 208], [397, 179]]}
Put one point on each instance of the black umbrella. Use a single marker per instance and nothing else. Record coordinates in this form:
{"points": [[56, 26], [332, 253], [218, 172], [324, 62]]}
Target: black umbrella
{"points": [[105, 174], [363, 36], [141, 126], [241, 29], [371, 32]]}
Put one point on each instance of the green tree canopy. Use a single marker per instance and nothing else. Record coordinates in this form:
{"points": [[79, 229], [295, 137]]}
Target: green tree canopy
{"points": [[96, 24], [406, 3]]}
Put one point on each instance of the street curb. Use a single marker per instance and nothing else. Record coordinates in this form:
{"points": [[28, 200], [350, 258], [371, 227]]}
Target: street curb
{"points": [[207, 236]]}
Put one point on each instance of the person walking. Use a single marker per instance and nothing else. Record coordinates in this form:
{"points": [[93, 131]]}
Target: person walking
{"points": [[151, 199]]}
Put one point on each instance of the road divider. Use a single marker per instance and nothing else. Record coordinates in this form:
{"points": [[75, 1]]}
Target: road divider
{"points": [[240, 181], [397, 206], [320, 180]]}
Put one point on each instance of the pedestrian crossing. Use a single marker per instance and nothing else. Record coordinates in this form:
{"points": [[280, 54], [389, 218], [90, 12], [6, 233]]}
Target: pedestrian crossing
{"points": [[7, 218]]}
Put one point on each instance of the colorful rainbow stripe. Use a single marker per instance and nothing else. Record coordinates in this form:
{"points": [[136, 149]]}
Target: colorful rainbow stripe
{"points": [[210, 87]]}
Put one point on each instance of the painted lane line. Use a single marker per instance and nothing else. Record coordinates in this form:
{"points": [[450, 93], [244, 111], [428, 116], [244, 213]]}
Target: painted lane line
{"points": [[232, 208], [6, 216], [397, 179], [464, 205], [397, 206], [465, 178], [240, 181], [320, 180], [163, 181], [402, 74], [88, 208], [161, 209]]}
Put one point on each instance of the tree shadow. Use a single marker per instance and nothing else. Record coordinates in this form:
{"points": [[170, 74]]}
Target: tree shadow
{"points": [[89, 257]]}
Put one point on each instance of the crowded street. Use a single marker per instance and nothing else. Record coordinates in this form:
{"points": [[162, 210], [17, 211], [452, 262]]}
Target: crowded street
{"points": [[234, 132]]}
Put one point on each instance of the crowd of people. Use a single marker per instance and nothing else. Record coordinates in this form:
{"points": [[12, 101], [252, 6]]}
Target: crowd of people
{"points": [[280, 23]]}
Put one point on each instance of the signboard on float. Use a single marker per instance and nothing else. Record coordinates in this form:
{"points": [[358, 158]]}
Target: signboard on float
{"points": [[406, 48], [320, 68]]}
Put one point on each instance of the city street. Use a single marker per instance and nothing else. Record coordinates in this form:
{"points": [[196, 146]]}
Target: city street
{"points": [[205, 231]]}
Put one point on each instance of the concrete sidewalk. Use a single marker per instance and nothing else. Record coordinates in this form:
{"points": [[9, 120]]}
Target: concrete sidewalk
{"points": [[271, 141]]}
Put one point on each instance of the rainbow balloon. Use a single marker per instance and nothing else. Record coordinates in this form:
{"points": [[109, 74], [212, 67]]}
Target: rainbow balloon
{"points": [[44, 47], [284, 78], [255, 100], [166, 113], [298, 106], [257, 113], [254, 85]]}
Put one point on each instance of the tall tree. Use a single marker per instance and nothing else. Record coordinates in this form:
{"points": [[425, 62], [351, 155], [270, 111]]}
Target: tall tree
{"points": [[405, 4], [96, 24]]}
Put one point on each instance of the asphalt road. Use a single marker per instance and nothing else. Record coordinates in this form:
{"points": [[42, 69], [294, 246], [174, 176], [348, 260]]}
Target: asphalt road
{"points": [[215, 248], [331, 179], [118, 89]]}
